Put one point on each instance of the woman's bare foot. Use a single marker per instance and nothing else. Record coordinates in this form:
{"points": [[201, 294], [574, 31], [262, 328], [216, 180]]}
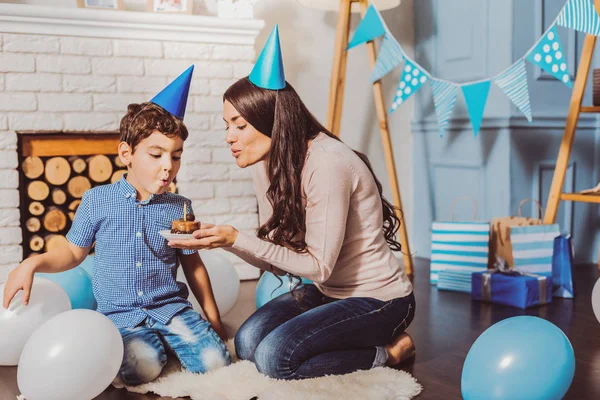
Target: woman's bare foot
{"points": [[400, 349]]}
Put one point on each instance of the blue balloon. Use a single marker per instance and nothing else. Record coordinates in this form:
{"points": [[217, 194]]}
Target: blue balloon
{"points": [[78, 285], [519, 358], [269, 287], [88, 265]]}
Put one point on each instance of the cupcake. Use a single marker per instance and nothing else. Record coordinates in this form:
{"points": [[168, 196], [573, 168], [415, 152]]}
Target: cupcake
{"points": [[185, 225]]}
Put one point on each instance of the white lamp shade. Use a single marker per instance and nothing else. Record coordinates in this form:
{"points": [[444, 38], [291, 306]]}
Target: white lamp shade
{"points": [[334, 5]]}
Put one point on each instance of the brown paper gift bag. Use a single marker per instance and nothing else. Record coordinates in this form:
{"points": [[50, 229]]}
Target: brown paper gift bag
{"points": [[500, 245]]}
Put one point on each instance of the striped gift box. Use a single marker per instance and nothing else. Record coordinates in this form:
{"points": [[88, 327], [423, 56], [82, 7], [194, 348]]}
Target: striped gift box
{"points": [[459, 246], [533, 247], [456, 280]]}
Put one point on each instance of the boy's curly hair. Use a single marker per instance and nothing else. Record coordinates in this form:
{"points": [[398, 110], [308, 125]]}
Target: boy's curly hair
{"points": [[143, 119]]}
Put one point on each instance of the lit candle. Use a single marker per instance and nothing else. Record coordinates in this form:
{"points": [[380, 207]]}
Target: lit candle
{"points": [[184, 211]]}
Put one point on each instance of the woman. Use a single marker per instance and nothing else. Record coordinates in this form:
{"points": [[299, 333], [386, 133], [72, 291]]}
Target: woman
{"points": [[322, 217]]}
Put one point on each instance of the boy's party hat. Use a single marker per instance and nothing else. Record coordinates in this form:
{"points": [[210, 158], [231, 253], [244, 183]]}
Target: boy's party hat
{"points": [[174, 97]]}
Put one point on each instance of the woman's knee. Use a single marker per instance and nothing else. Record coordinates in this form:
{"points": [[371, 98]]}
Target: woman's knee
{"points": [[270, 359], [246, 341], [142, 362]]}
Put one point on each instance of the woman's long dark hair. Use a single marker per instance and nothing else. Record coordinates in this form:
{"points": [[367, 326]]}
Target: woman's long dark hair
{"points": [[282, 116]]}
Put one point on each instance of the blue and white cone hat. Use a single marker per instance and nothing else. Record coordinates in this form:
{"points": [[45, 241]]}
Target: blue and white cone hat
{"points": [[268, 70], [174, 97]]}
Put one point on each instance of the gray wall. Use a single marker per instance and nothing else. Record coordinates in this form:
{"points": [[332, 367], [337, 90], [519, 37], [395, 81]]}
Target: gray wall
{"points": [[466, 40]]}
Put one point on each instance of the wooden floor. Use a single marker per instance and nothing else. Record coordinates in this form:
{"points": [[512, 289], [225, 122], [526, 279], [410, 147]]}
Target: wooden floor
{"points": [[445, 327]]}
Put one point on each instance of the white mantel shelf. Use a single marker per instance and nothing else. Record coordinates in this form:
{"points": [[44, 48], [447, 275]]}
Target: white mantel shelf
{"points": [[80, 22]]}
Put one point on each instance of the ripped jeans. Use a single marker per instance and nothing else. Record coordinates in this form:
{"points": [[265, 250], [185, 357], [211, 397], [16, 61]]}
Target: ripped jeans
{"points": [[191, 338]]}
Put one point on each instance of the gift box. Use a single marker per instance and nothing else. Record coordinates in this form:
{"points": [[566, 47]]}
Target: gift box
{"points": [[562, 267], [514, 288], [455, 280]]}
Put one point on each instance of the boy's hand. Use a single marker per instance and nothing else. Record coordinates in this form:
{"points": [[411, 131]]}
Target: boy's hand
{"points": [[20, 278]]}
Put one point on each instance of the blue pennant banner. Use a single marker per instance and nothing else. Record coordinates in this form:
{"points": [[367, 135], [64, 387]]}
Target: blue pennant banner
{"points": [[413, 77], [444, 97], [369, 28], [390, 56], [548, 55], [476, 96], [580, 15], [513, 83]]}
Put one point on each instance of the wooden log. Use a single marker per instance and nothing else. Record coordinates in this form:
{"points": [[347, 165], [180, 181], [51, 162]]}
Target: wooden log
{"points": [[73, 207], [36, 243], [118, 162], [55, 220], [99, 168], [57, 171], [117, 175], [33, 224], [79, 165], [55, 241], [38, 190], [78, 185], [36, 208], [59, 197], [33, 167], [74, 204]]}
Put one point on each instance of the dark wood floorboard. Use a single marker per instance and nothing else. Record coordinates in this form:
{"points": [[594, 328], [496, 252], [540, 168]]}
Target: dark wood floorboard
{"points": [[445, 326]]}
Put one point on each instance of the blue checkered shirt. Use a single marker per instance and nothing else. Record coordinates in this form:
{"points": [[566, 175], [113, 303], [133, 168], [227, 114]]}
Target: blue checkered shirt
{"points": [[134, 268]]}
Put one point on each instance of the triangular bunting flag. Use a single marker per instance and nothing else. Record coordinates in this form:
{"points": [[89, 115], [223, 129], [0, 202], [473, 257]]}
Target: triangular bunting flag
{"points": [[413, 77], [476, 96], [390, 56], [580, 15], [444, 97], [548, 55], [369, 28], [513, 83]]}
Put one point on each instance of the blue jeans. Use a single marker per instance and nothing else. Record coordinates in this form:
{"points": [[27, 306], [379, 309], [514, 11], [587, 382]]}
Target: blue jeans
{"points": [[196, 345], [319, 335]]}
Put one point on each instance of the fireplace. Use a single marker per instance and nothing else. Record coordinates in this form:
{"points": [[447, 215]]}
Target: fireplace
{"points": [[66, 78]]}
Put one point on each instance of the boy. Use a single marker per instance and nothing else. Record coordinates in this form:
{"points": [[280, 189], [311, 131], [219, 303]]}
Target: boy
{"points": [[134, 278]]}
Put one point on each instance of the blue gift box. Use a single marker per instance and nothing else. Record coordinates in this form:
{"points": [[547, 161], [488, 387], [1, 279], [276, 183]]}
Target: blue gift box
{"points": [[511, 288]]}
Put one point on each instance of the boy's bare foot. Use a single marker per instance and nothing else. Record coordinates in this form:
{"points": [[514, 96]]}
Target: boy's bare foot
{"points": [[400, 349]]}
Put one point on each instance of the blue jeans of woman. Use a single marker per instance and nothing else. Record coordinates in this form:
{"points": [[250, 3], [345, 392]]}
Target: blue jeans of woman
{"points": [[196, 345], [319, 335]]}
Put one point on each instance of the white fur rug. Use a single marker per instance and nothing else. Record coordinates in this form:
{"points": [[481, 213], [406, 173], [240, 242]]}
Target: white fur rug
{"points": [[242, 381]]}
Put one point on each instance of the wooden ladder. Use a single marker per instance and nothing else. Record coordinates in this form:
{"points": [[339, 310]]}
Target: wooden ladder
{"points": [[575, 108], [334, 115]]}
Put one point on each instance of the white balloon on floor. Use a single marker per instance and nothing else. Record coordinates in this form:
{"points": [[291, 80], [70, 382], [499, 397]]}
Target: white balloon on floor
{"points": [[18, 322], [596, 300], [73, 356], [223, 278]]}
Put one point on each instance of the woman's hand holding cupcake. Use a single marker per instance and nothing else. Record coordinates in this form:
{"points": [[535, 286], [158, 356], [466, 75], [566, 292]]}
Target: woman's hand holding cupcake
{"points": [[209, 236]]}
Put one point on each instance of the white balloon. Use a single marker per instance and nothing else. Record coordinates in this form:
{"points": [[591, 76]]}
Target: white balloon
{"points": [[18, 322], [596, 300], [73, 356], [223, 278]]}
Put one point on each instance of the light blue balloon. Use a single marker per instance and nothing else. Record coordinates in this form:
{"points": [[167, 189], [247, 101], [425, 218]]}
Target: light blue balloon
{"points": [[78, 285], [269, 287], [88, 265], [522, 357]]}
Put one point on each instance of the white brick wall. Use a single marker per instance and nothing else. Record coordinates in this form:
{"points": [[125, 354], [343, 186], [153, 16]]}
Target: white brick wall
{"points": [[71, 83], [33, 82]]}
